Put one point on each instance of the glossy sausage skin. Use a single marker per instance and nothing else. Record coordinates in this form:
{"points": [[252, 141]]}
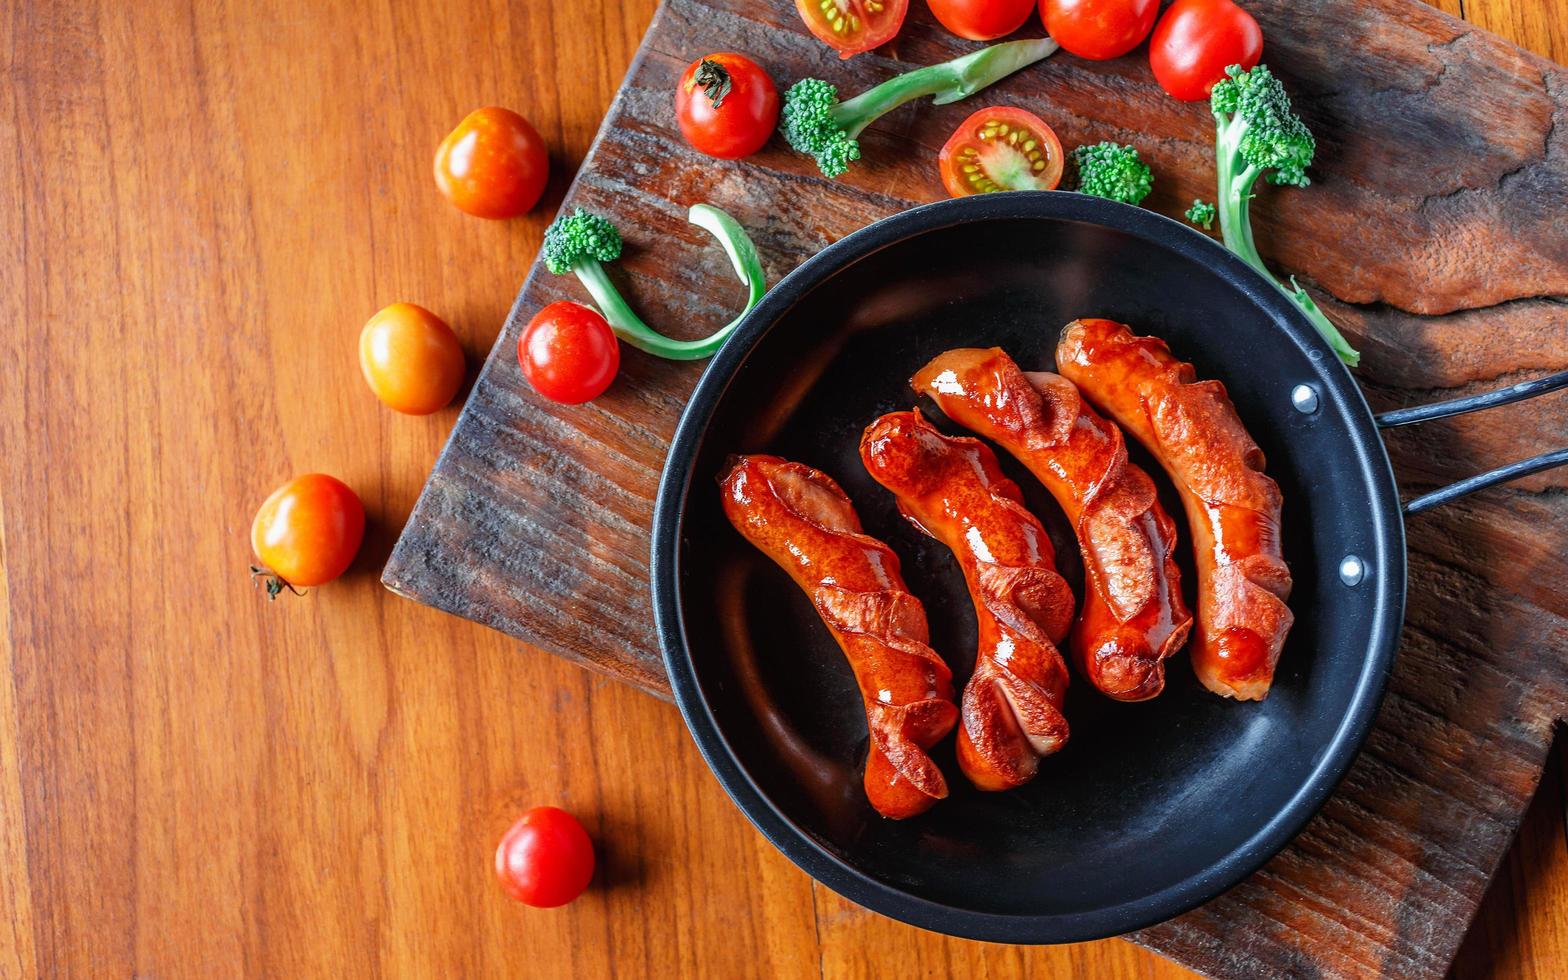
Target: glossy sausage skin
{"points": [[799, 517], [953, 490], [1133, 616], [1232, 507]]}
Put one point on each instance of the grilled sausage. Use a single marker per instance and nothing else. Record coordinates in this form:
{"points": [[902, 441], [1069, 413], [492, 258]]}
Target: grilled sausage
{"points": [[799, 517], [953, 490], [1133, 616], [1192, 428]]}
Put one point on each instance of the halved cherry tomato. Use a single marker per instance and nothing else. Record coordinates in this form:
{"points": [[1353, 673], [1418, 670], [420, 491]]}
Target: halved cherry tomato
{"points": [[545, 859], [1001, 149], [1197, 40], [569, 353], [852, 26], [411, 359], [726, 105], [1099, 29], [493, 165], [981, 20], [307, 532]]}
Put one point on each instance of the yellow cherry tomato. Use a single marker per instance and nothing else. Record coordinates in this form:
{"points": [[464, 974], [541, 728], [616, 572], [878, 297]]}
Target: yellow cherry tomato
{"points": [[411, 359]]}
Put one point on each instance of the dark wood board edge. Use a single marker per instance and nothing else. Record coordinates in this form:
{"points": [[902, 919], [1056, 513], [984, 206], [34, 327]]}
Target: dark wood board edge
{"points": [[421, 564]]}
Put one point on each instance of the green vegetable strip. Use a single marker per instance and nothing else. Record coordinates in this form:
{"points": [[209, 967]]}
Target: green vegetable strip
{"points": [[737, 245], [629, 326], [949, 82]]}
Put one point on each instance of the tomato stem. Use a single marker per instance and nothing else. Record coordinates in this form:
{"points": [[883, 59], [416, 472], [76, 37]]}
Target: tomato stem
{"points": [[714, 79], [274, 583]]}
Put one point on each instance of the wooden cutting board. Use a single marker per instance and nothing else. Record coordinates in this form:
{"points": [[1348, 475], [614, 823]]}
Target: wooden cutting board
{"points": [[1434, 234]]}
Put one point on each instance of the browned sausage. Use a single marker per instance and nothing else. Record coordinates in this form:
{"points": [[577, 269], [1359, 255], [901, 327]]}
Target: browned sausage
{"points": [[953, 489], [1133, 616], [1192, 428], [799, 517]]}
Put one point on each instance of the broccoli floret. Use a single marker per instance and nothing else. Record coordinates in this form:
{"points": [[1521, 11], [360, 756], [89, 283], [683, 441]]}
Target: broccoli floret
{"points": [[818, 124], [810, 128], [578, 237], [1262, 127], [1113, 172], [1201, 213], [1258, 134], [579, 242]]}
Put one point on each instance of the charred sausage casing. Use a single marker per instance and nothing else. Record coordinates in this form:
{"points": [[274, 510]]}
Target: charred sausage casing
{"points": [[1232, 507], [954, 490], [799, 517], [1133, 616]]}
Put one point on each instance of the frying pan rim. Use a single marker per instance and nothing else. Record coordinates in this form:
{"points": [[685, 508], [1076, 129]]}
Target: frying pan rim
{"points": [[1387, 574]]}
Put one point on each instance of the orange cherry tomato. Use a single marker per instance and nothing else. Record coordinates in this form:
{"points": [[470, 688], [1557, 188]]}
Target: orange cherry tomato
{"points": [[493, 165], [1001, 149], [411, 359], [307, 532], [545, 859]]}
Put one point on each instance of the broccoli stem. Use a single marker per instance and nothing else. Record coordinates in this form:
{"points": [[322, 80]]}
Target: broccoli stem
{"points": [[1235, 202], [629, 326], [948, 82]]}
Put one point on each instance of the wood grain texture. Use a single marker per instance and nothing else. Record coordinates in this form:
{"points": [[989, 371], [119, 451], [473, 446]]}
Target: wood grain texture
{"points": [[1447, 135], [200, 204]]}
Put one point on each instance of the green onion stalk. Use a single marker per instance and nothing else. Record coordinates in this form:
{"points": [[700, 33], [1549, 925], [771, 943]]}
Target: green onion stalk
{"points": [[581, 242]]}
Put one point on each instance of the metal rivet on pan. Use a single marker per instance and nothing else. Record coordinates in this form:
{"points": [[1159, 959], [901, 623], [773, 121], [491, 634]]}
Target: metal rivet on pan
{"points": [[1351, 570], [1305, 398]]}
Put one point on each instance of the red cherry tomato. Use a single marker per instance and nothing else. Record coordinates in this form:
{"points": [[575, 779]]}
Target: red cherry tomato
{"points": [[1001, 149], [726, 105], [307, 532], [1197, 40], [545, 859], [569, 353], [1099, 29], [981, 20], [852, 26], [493, 165]]}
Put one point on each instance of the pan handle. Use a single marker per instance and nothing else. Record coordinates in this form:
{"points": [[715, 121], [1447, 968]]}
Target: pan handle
{"points": [[1513, 471], [1475, 403]]}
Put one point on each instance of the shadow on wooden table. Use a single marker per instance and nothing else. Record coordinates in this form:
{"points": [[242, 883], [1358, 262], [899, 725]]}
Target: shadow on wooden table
{"points": [[1518, 931]]}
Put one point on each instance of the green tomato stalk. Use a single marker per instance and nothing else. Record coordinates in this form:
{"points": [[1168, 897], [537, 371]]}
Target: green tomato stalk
{"points": [[1258, 134], [818, 124], [581, 242]]}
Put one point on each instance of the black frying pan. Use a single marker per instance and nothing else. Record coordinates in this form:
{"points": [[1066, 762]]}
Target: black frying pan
{"points": [[1152, 808]]}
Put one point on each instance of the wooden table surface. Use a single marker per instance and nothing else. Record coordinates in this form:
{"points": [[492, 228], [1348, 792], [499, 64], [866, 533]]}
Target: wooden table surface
{"points": [[199, 207]]}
